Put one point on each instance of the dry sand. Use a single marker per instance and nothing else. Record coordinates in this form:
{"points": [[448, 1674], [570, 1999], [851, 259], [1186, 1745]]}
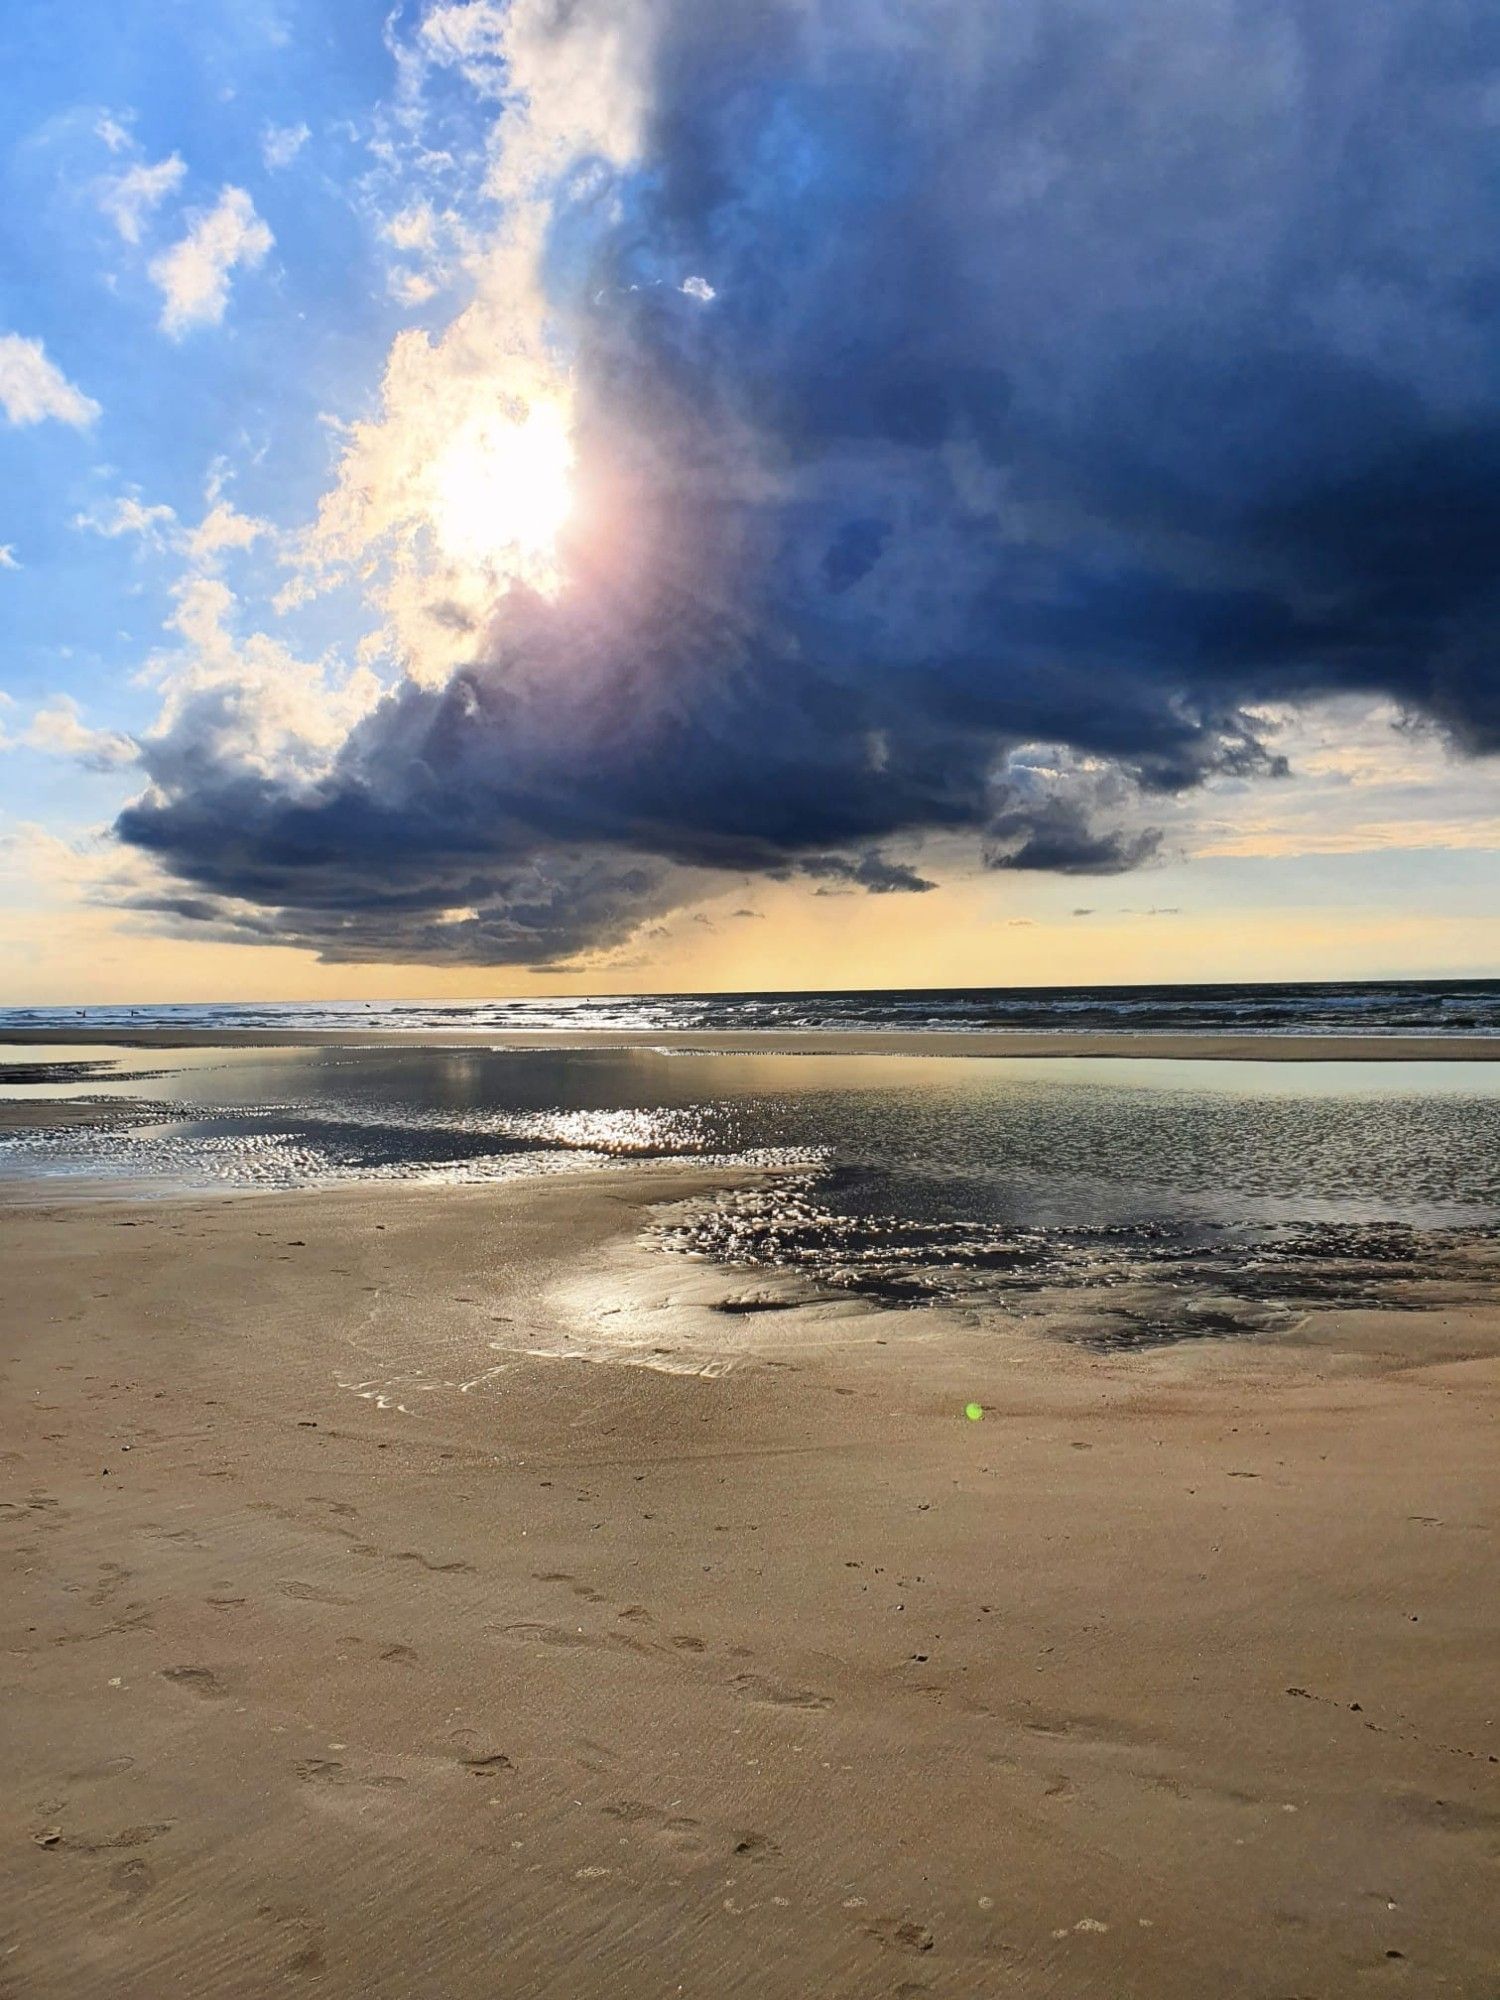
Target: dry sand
{"points": [[351, 1649]]}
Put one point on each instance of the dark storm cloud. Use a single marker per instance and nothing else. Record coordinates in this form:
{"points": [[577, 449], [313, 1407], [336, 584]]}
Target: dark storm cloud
{"points": [[867, 871], [1055, 838], [1074, 376]]}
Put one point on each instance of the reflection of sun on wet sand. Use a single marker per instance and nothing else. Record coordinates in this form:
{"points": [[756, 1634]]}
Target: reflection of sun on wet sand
{"points": [[354, 1642]]}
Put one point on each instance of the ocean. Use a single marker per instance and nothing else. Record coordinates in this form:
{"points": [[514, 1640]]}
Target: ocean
{"points": [[1365, 1007]]}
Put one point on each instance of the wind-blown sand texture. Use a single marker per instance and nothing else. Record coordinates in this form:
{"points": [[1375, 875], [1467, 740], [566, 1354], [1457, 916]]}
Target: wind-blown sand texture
{"points": [[352, 1649]]}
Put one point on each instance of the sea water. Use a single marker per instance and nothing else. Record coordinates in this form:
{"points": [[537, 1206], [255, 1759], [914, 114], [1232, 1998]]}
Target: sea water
{"points": [[1364, 1007]]}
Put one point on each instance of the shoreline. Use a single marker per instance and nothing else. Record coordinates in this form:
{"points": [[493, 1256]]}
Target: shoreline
{"points": [[1169, 1045], [358, 1637]]}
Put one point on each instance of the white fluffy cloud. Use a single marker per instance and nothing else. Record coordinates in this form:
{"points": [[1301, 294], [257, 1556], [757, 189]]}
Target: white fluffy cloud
{"points": [[59, 729], [193, 276], [249, 702], [1367, 776], [114, 132], [129, 515], [280, 144], [128, 198], [8, 559], [223, 530], [573, 79], [438, 243], [469, 33], [32, 388]]}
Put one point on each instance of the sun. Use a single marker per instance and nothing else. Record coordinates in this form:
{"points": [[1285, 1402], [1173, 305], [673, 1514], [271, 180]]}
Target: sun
{"points": [[500, 490]]}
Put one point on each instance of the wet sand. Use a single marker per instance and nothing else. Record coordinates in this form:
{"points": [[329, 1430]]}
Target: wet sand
{"points": [[352, 1649], [914, 1042]]}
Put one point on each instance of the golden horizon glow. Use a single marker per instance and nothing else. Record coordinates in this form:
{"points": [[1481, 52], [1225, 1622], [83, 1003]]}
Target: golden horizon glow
{"points": [[968, 932], [500, 491]]}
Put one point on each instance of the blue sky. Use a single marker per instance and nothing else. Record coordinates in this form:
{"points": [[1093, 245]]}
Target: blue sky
{"points": [[109, 90], [489, 494]]}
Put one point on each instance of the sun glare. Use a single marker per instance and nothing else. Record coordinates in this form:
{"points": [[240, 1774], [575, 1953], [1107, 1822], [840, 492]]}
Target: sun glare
{"points": [[502, 489]]}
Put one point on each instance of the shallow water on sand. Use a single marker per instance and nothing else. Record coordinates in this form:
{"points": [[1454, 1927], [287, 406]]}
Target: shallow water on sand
{"points": [[1172, 1198]]}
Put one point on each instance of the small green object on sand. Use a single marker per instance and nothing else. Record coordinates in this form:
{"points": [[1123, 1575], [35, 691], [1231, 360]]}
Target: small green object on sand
{"points": [[973, 1411]]}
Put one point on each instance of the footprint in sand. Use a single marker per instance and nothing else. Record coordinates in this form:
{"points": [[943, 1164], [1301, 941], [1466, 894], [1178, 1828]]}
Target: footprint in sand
{"points": [[328, 1771], [1088, 1729], [550, 1635], [112, 1577], [572, 1636], [304, 1934], [756, 1687], [675, 1830], [414, 1556], [486, 1763], [902, 1932], [131, 1879], [309, 1593], [104, 1843], [197, 1680], [111, 1767]]}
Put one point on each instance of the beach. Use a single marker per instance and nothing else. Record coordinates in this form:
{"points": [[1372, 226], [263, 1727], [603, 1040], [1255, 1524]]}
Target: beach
{"points": [[750, 1001], [368, 1633]]}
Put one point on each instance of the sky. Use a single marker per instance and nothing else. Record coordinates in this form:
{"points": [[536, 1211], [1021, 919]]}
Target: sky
{"points": [[598, 495]]}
